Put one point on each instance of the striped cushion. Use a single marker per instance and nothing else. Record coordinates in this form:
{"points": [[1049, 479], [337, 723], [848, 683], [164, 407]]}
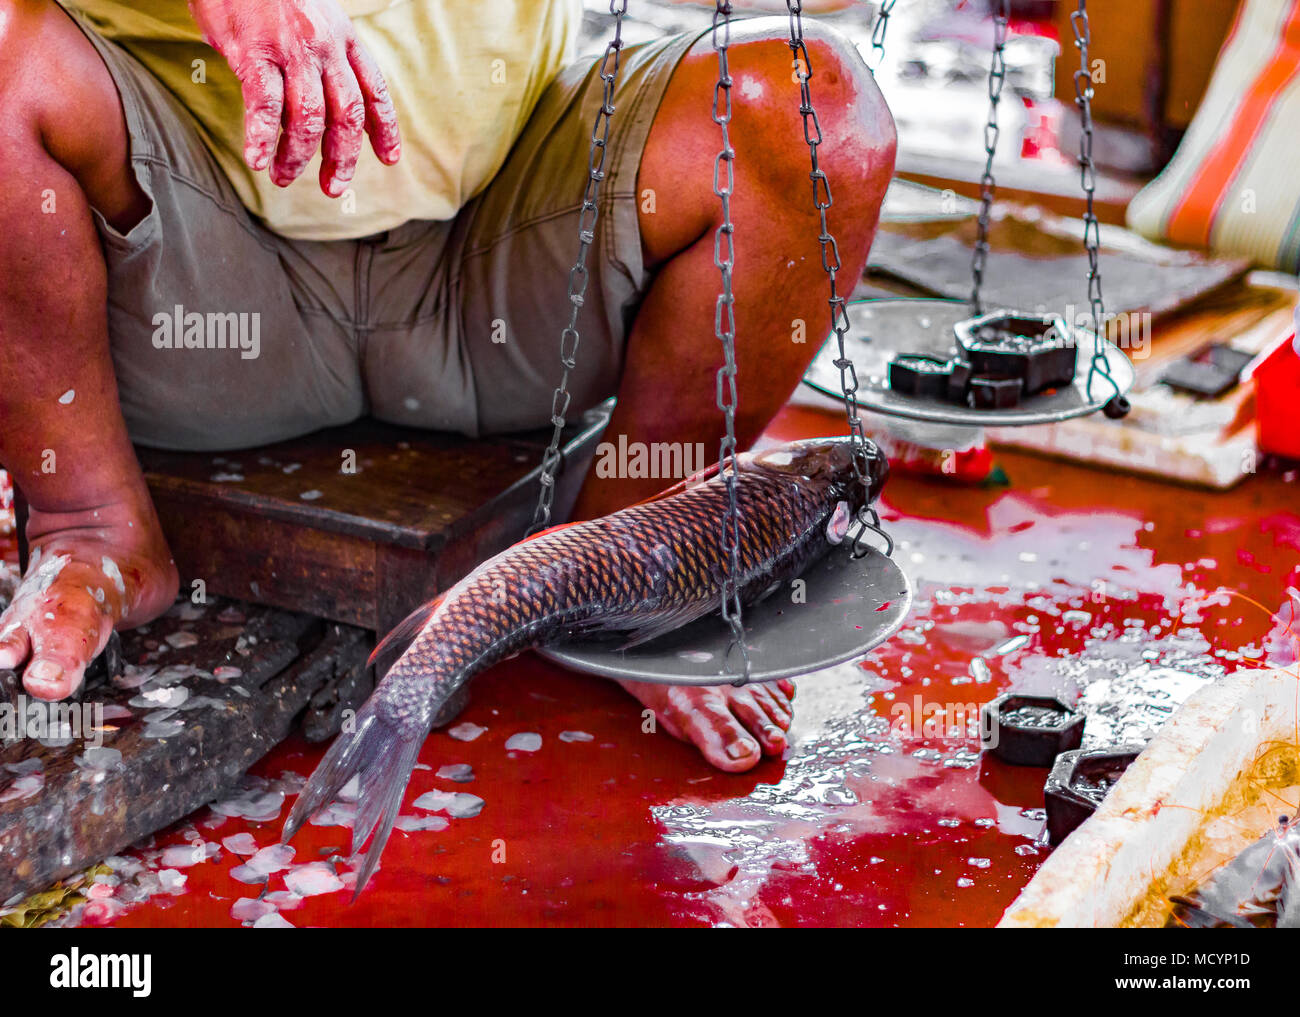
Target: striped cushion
{"points": [[1234, 183]]}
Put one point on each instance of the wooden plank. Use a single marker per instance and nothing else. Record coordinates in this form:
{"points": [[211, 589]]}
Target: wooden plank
{"points": [[1023, 183], [209, 691], [356, 524], [368, 480], [238, 553]]}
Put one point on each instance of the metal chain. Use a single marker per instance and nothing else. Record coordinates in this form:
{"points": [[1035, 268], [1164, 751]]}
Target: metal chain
{"points": [[830, 251], [878, 29], [1088, 181], [988, 186], [578, 275], [724, 327]]}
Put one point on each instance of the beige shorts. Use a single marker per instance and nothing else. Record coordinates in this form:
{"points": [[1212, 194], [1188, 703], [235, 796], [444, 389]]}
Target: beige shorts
{"points": [[399, 325]]}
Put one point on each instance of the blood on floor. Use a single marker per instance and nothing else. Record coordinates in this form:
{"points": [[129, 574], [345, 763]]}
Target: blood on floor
{"points": [[1109, 590]]}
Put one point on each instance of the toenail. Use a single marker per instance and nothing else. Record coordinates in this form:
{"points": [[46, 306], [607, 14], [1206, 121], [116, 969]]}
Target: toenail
{"points": [[740, 748], [772, 731], [45, 671]]}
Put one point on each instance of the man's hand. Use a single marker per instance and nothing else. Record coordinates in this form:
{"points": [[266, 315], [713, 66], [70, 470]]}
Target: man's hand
{"points": [[302, 66]]}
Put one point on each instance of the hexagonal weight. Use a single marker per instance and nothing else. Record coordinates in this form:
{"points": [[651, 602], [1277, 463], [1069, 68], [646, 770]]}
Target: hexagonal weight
{"points": [[988, 393], [917, 375], [1030, 730], [1036, 348], [1079, 782]]}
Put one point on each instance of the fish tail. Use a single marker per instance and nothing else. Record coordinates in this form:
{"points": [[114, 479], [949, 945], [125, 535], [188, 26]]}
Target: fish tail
{"points": [[381, 752]]}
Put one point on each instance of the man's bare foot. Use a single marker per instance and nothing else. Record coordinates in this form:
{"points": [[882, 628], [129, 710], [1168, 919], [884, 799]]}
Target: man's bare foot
{"points": [[90, 572], [732, 727]]}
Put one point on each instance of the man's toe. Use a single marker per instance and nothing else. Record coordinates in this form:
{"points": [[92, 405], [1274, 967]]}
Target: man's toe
{"points": [[753, 713], [720, 736], [775, 705]]}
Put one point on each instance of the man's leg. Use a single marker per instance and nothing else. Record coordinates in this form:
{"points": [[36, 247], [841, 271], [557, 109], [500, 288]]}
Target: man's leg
{"points": [[668, 393], [102, 558]]}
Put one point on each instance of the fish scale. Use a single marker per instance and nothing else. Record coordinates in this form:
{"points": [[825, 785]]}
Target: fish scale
{"points": [[646, 569]]}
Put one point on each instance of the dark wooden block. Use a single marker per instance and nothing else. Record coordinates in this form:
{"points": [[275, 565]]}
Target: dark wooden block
{"points": [[287, 525], [241, 676]]}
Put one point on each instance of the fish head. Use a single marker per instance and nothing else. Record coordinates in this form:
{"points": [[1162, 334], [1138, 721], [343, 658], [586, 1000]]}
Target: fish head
{"points": [[825, 465]]}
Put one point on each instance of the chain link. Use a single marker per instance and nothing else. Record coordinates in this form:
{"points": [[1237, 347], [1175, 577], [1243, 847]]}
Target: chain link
{"points": [[1088, 181], [822, 201], [724, 327], [988, 186], [578, 274], [878, 29]]}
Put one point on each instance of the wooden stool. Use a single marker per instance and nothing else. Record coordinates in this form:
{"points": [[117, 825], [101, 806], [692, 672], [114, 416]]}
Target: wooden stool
{"points": [[358, 524]]}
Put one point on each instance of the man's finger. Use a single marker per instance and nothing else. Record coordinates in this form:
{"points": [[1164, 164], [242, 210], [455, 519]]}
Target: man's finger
{"points": [[304, 122], [345, 122], [14, 643], [65, 639], [381, 117], [263, 87]]}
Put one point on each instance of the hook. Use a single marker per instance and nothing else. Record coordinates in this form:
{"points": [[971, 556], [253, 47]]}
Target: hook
{"points": [[870, 520], [742, 678]]}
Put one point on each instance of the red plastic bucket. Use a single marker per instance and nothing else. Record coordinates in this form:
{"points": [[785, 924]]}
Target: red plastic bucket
{"points": [[1277, 400]]}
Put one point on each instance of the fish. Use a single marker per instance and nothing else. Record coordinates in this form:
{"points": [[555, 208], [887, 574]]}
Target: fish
{"points": [[1258, 889], [634, 574]]}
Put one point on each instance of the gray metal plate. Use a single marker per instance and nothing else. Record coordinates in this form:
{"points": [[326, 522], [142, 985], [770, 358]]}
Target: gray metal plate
{"points": [[881, 328], [851, 605]]}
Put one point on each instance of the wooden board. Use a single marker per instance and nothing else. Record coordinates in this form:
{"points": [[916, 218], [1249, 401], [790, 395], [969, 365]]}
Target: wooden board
{"points": [[358, 524], [1172, 435], [130, 762], [1159, 56]]}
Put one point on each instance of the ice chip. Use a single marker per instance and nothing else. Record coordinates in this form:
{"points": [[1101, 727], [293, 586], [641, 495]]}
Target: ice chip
{"points": [[456, 804], [171, 881], [274, 920], [465, 732], [250, 909], [410, 823], [241, 844], [312, 879], [272, 859]]}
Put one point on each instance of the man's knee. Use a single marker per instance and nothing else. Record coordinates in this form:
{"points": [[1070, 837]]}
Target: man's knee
{"points": [[852, 121], [25, 27], [857, 132], [48, 68]]}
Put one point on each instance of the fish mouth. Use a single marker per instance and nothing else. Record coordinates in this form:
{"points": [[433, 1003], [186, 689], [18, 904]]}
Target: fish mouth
{"points": [[827, 464]]}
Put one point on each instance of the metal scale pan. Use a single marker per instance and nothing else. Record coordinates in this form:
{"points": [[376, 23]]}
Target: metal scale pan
{"points": [[851, 605], [882, 328]]}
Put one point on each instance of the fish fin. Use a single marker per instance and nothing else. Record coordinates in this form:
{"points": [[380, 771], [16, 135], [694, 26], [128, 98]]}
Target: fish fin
{"points": [[706, 474], [760, 595], [551, 530], [405, 630], [381, 754], [662, 624]]}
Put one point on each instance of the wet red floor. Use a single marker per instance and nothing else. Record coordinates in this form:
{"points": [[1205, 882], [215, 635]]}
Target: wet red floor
{"points": [[1065, 577]]}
